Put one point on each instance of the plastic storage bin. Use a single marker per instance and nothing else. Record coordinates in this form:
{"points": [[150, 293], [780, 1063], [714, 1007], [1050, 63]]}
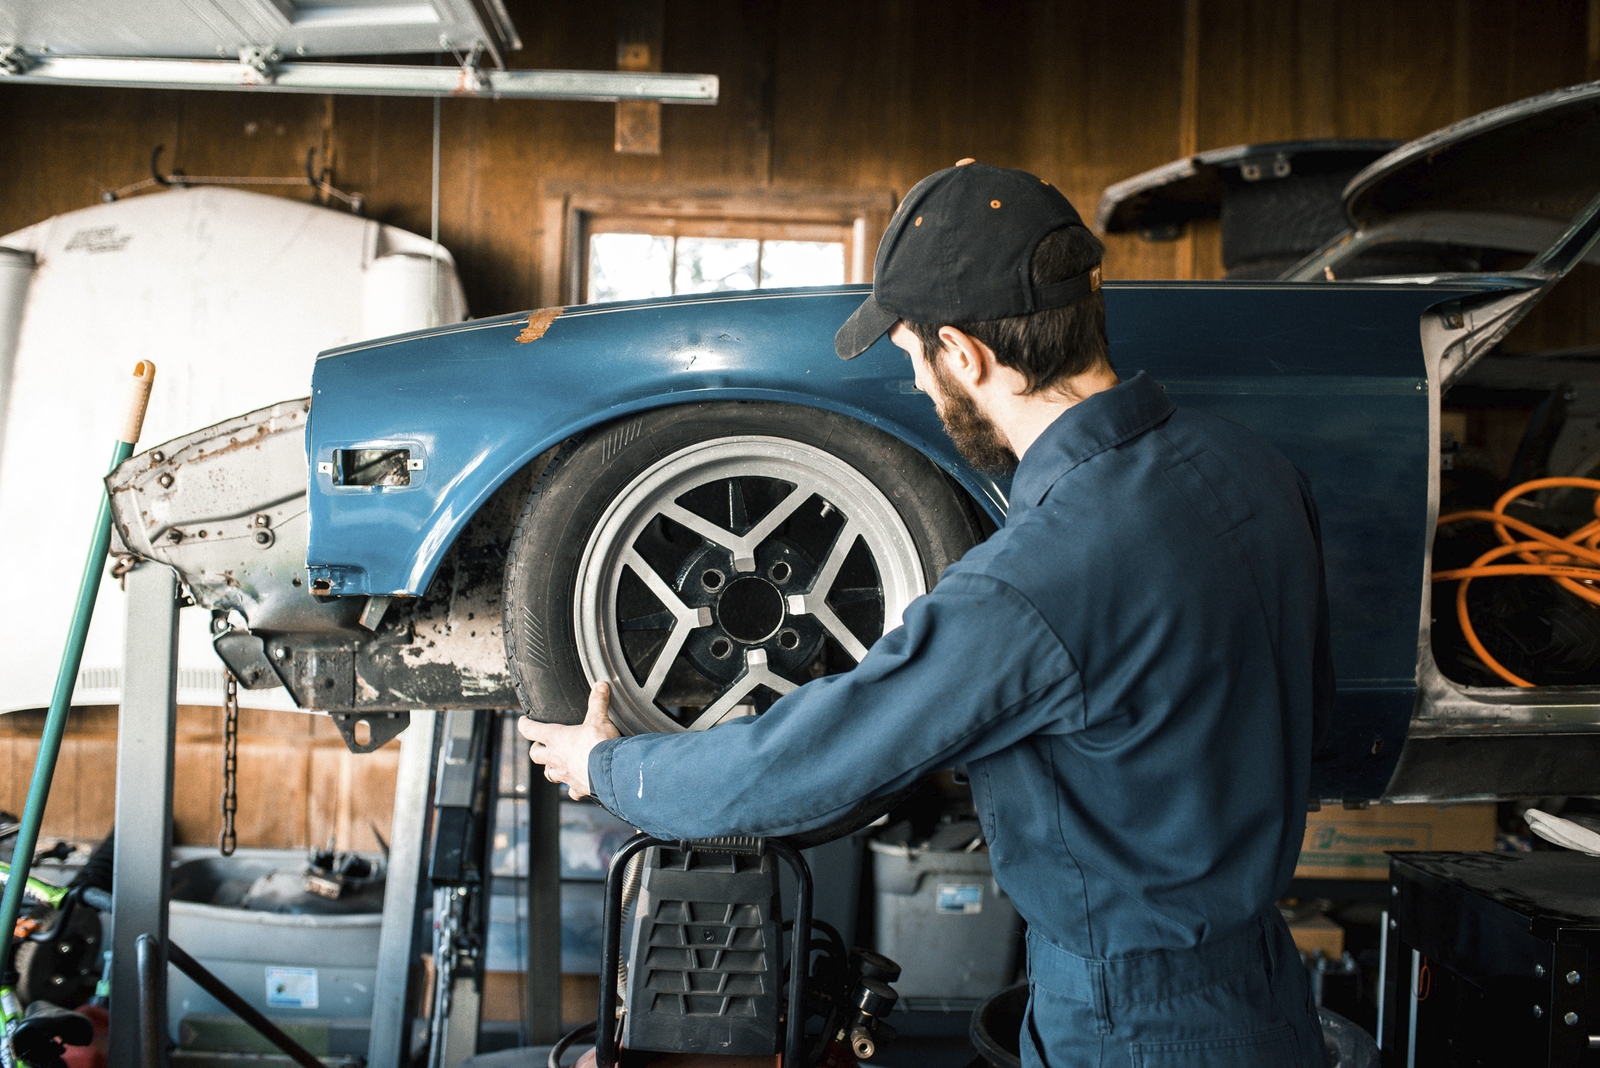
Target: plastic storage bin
{"points": [[942, 916], [294, 968]]}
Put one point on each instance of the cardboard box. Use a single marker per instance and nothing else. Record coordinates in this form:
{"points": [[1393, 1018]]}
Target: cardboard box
{"points": [[1345, 843], [1318, 932]]}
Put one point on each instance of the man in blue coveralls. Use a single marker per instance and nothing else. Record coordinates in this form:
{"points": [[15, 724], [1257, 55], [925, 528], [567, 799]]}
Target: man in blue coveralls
{"points": [[1130, 669]]}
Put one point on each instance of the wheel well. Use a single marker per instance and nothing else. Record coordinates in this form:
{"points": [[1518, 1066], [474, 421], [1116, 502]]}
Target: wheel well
{"points": [[497, 515]]}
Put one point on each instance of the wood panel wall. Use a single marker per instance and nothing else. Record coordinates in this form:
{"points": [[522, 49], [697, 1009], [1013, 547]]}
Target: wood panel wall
{"points": [[864, 96], [818, 96], [298, 785]]}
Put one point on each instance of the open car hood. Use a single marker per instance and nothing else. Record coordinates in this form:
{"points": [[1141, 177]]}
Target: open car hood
{"points": [[1157, 202], [1472, 197], [1535, 159]]}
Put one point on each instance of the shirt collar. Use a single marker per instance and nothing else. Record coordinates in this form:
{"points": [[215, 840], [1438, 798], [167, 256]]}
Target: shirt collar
{"points": [[1100, 422]]}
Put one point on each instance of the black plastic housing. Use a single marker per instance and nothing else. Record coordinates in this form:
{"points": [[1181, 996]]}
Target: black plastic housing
{"points": [[705, 954]]}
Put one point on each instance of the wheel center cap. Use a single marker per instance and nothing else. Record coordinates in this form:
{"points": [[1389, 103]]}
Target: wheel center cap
{"points": [[750, 610]]}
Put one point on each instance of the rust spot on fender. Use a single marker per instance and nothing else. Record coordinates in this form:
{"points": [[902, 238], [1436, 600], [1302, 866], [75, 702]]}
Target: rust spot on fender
{"points": [[537, 324]]}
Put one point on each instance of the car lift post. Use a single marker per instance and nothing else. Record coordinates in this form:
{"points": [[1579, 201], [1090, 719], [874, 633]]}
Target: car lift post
{"points": [[146, 732], [389, 1044], [146, 726]]}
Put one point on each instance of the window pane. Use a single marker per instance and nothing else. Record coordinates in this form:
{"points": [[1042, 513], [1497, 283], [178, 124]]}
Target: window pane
{"points": [[629, 266], [801, 263], [711, 264]]}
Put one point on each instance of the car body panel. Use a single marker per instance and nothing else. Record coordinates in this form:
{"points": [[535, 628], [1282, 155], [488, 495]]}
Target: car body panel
{"points": [[1533, 157], [1157, 201], [1336, 377], [1505, 180], [475, 404]]}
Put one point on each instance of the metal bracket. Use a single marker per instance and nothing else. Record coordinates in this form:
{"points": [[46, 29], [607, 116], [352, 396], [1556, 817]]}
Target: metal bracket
{"points": [[14, 60], [378, 727], [472, 76], [1259, 167], [246, 657], [1164, 232], [257, 65]]}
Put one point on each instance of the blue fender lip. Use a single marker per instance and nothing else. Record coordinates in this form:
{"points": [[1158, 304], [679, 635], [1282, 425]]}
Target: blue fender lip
{"points": [[476, 406]]}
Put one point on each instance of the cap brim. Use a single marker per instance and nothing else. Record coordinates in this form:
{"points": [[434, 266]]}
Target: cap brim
{"points": [[870, 322]]}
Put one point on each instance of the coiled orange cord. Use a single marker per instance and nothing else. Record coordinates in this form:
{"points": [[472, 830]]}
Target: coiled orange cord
{"points": [[1572, 562]]}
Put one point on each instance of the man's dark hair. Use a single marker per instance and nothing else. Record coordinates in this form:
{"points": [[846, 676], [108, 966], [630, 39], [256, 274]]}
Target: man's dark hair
{"points": [[1045, 347]]}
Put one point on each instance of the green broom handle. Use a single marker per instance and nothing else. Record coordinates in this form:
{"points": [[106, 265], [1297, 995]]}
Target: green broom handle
{"points": [[55, 723]]}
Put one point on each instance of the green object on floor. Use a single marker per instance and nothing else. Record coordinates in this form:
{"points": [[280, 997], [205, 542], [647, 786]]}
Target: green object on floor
{"points": [[55, 725], [36, 890]]}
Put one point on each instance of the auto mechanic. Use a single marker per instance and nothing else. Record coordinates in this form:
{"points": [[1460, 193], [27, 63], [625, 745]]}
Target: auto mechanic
{"points": [[1132, 669]]}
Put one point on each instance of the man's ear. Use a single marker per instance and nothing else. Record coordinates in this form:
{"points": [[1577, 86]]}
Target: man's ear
{"points": [[970, 360]]}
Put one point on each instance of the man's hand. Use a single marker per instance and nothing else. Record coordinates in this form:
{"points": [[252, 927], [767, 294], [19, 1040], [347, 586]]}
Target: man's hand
{"points": [[564, 751]]}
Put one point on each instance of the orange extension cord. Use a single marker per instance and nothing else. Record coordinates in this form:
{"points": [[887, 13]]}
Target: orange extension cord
{"points": [[1573, 562]]}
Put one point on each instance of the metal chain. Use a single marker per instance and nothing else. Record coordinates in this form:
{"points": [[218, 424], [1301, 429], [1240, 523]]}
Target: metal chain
{"points": [[228, 841]]}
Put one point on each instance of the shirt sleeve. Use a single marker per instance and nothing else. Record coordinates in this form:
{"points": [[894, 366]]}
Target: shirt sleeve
{"points": [[973, 669]]}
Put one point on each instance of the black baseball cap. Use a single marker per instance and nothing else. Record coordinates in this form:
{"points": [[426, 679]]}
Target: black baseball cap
{"points": [[959, 249]]}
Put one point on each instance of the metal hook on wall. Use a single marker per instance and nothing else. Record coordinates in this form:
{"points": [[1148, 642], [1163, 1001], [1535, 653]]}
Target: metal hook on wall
{"points": [[321, 182]]}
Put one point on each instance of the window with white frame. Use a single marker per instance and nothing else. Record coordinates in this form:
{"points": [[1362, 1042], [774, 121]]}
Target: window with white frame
{"points": [[632, 244], [632, 266]]}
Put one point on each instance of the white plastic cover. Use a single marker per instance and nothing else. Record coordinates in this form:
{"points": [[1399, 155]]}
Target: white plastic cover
{"points": [[232, 294]]}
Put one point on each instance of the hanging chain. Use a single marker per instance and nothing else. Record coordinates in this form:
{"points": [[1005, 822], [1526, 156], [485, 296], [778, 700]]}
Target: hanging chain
{"points": [[227, 841]]}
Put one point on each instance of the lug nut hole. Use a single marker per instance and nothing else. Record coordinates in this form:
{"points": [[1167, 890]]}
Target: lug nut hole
{"points": [[781, 571], [711, 579], [720, 648], [788, 639]]}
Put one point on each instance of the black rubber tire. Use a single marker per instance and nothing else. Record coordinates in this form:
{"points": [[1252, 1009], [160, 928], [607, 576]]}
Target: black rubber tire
{"points": [[586, 475]]}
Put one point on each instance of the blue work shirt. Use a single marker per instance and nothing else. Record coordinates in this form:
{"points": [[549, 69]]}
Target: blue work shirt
{"points": [[1129, 669]]}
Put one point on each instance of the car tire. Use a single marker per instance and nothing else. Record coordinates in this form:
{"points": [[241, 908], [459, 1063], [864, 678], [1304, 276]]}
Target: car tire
{"points": [[759, 545]]}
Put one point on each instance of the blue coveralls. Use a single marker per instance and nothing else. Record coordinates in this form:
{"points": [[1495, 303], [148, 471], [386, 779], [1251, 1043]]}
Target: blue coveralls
{"points": [[1129, 670]]}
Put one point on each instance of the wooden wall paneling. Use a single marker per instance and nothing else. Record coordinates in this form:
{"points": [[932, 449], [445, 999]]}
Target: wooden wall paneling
{"points": [[95, 802], [640, 31], [371, 786], [281, 754], [197, 776], [61, 811], [1092, 66], [246, 134], [15, 768], [274, 792], [71, 143], [327, 796], [197, 792], [60, 814], [350, 794], [1519, 49], [818, 94]]}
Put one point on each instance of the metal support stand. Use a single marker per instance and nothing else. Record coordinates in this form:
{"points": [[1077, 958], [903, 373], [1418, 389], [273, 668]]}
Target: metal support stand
{"points": [[145, 730], [390, 1041], [544, 909]]}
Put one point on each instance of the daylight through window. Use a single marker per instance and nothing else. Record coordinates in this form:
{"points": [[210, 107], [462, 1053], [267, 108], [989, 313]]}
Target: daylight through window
{"points": [[633, 266]]}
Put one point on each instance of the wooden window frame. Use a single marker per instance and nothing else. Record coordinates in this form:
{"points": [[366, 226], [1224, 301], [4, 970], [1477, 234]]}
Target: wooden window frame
{"points": [[571, 214]]}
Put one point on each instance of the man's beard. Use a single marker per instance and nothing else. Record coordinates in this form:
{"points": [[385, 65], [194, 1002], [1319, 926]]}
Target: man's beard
{"points": [[975, 436]]}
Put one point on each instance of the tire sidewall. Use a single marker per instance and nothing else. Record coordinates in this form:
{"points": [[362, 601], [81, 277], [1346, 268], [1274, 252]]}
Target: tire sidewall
{"points": [[587, 475]]}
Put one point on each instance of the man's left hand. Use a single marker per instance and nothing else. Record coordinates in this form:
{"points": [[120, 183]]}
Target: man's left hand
{"points": [[563, 750]]}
